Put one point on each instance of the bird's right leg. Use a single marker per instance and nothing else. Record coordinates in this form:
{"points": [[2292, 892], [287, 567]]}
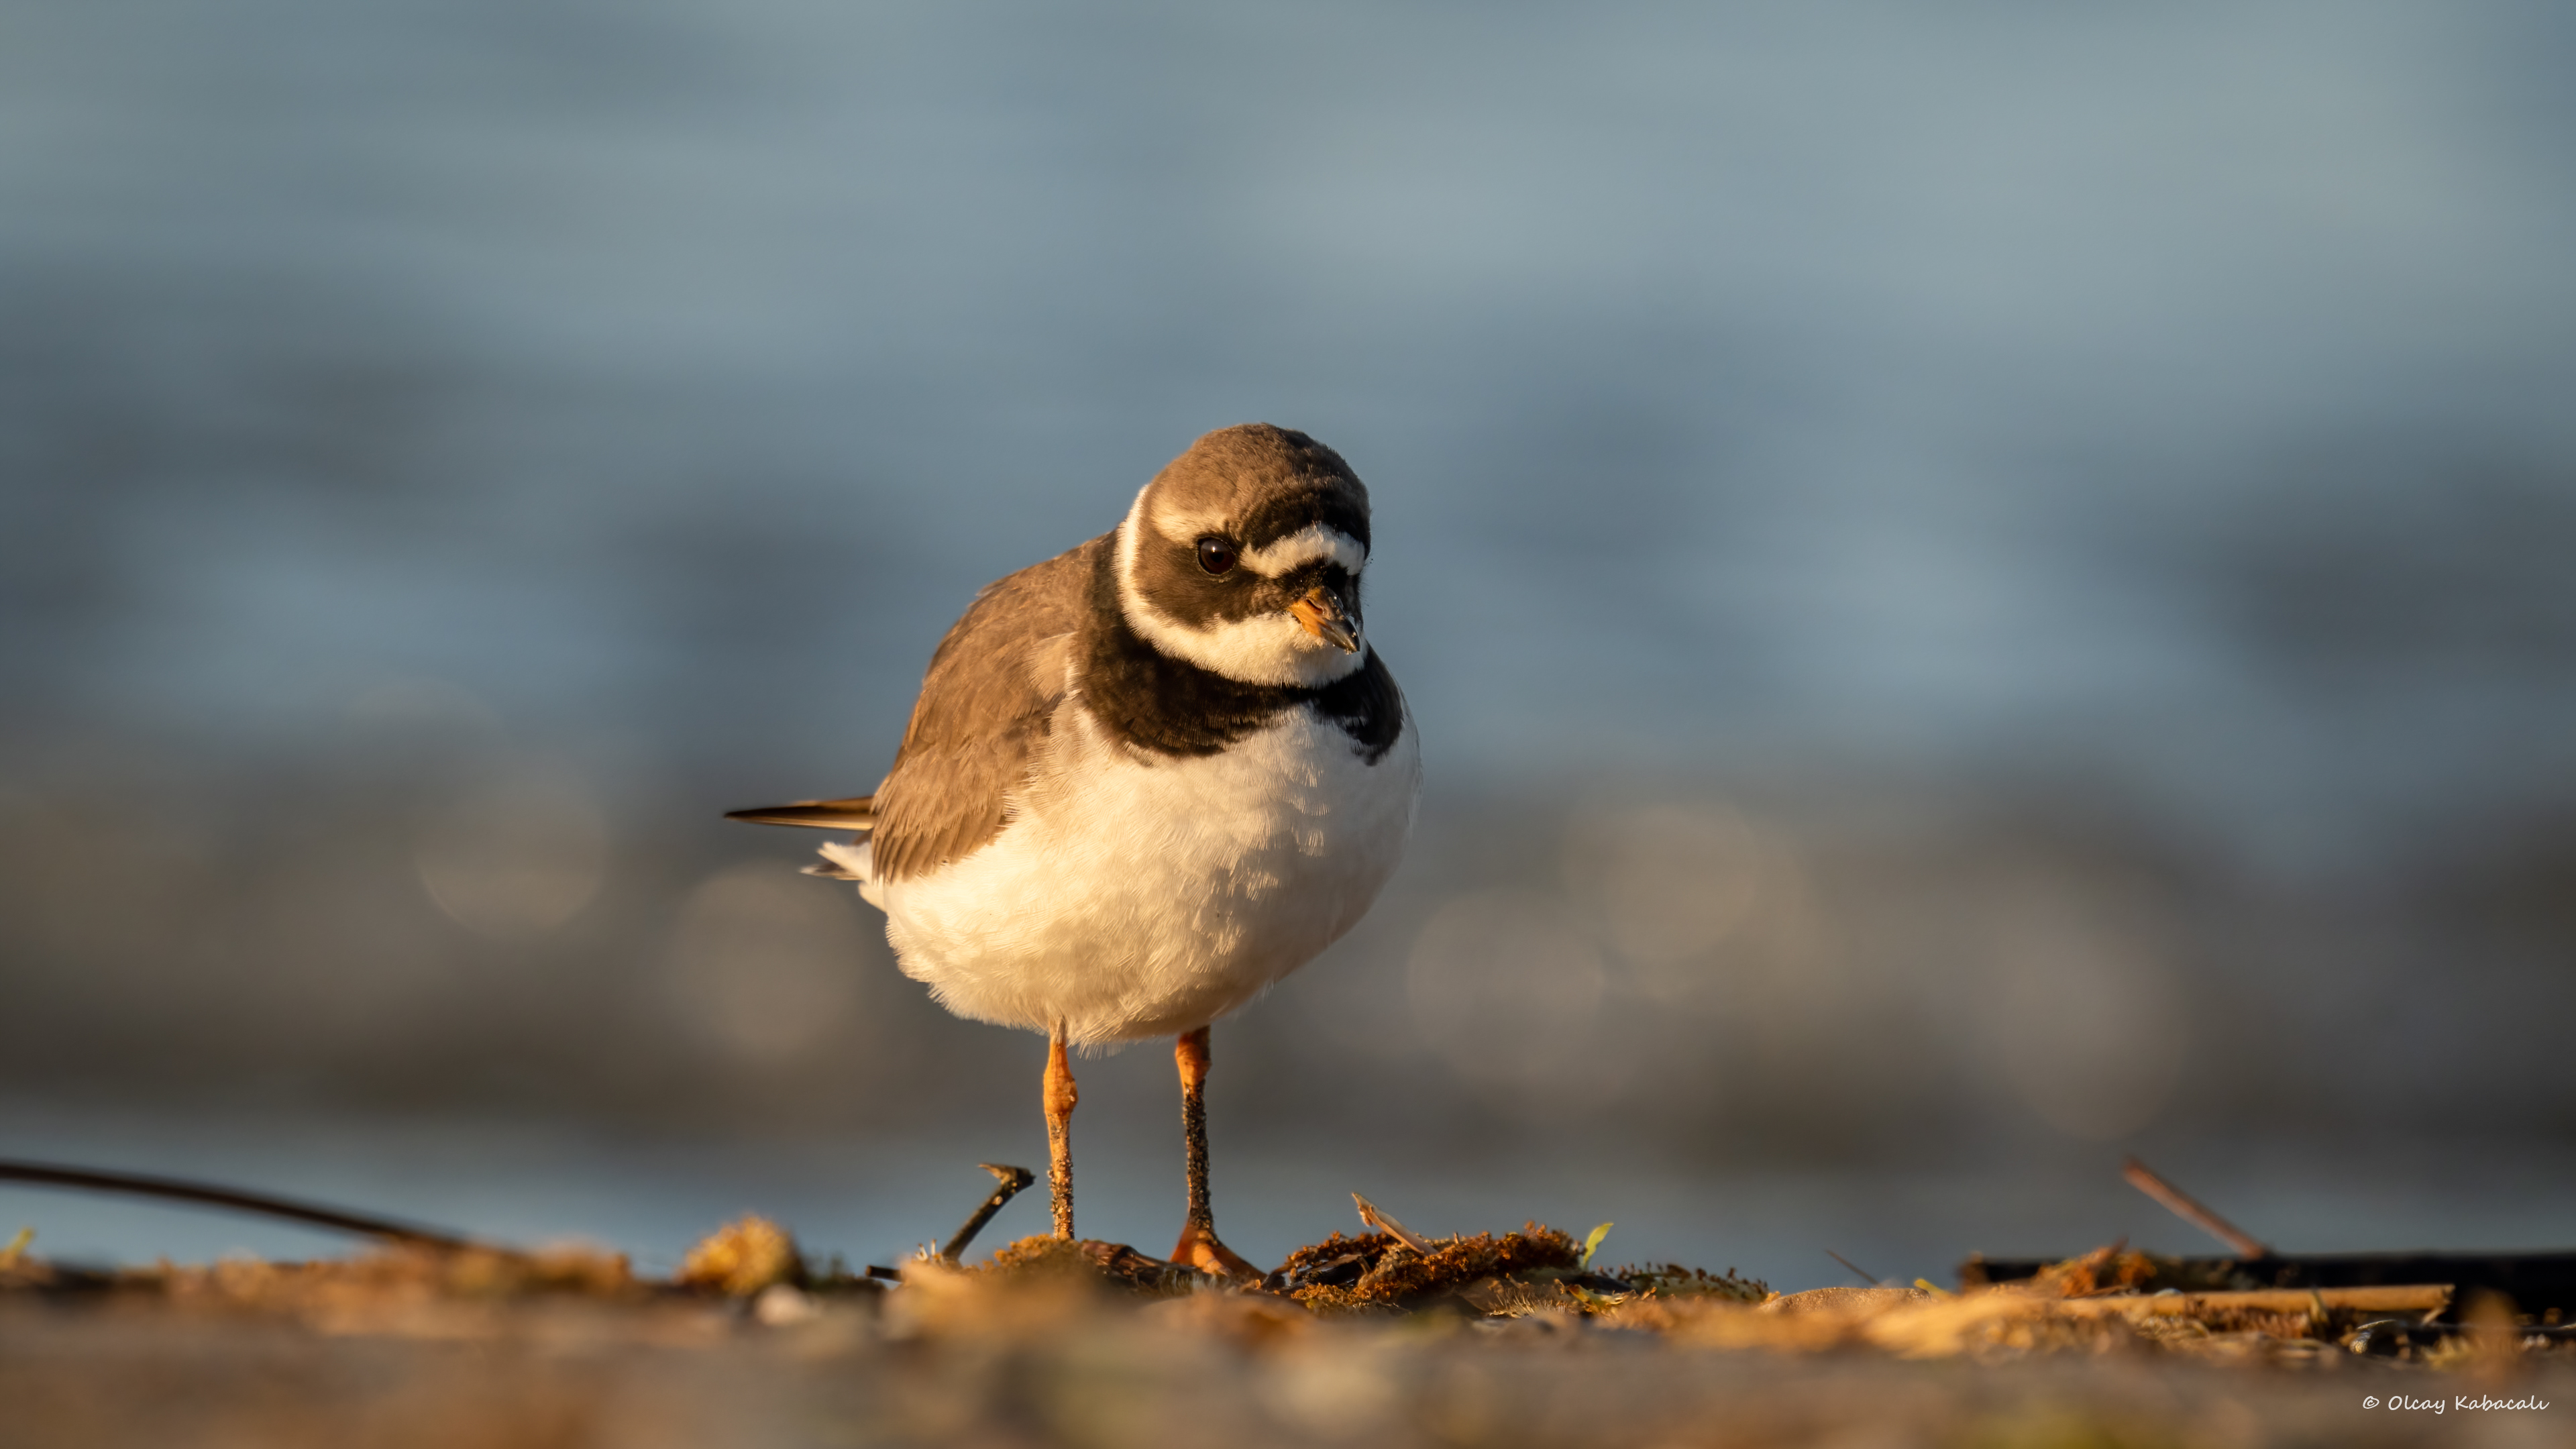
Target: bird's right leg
{"points": [[1060, 1097], [1200, 1247]]}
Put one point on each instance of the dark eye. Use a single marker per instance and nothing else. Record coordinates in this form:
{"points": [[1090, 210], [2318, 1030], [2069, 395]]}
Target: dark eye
{"points": [[1217, 555]]}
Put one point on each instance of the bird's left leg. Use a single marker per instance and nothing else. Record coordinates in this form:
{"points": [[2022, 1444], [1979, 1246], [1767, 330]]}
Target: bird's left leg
{"points": [[1199, 1247], [1060, 1098]]}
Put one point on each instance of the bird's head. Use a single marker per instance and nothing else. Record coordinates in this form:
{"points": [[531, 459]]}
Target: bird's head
{"points": [[1243, 556]]}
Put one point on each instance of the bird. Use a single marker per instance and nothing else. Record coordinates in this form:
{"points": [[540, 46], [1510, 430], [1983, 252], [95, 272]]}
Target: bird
{"points": [[1145, 780]]}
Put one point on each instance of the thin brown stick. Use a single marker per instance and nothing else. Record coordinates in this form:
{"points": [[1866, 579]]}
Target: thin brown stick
{"points": [[2183, 1206], [1866, 1276], [204, 1194], [2391, 1298]]}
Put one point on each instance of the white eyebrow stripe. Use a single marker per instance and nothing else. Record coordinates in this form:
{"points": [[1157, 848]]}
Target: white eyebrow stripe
{"points": [[1307, 545]]}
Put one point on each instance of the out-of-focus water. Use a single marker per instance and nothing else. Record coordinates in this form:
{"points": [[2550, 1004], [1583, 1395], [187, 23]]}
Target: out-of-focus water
{"points": [[2172, 395], [1977, 583]]}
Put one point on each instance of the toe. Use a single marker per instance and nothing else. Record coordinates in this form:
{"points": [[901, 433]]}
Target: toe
{"points": [[1200, 1248]]}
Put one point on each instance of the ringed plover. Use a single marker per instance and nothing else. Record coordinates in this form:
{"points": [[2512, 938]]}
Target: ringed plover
{"points": [[1146, 778]]}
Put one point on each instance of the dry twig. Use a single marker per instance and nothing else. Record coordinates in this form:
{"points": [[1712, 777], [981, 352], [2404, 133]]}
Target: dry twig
{"points": [[204, 1194], [1370, 1215], [2183, 1206]]}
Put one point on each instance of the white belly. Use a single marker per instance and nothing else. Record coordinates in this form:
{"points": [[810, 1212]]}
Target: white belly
{"points": [[1138, 897]]}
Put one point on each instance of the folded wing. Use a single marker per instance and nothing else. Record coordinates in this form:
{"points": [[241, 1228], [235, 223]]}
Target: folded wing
{"points": [[988, 701]]}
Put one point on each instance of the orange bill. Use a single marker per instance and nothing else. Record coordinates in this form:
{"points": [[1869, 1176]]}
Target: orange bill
{"points": [[1321, 613]]}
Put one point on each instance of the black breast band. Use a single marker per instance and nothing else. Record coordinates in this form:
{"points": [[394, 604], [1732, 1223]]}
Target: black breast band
{"points": [[1168, 706]]}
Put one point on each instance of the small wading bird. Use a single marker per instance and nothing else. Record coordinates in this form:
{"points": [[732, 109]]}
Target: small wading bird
{"points": [[1146, 778]]}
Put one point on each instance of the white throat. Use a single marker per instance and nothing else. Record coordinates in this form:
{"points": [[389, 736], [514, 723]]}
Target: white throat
{"points": [[1264, 649]]}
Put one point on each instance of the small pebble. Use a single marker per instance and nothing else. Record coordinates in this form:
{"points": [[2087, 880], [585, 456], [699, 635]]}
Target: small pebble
{"points": [[781, 1304]]}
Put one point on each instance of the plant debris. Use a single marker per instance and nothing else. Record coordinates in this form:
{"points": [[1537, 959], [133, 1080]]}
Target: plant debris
{"points": [[1391, 1275], [1672, 1280], [1113, 1264], [742, 1258]]}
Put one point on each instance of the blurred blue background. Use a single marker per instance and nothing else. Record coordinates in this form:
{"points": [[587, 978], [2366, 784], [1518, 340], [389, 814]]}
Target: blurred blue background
{"points": [[1983, 588]]}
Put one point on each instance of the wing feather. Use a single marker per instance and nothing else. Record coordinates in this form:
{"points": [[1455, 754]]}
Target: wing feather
{"points": [[859, 812], [986, 704]]}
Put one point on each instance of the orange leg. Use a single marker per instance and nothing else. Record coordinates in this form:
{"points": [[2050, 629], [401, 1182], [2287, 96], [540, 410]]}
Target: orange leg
{"points": [[1060, 1097], [1199, 1247]]}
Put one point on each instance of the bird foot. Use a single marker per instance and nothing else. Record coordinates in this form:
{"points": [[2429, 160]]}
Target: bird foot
{"points": [[1200, 1249]]}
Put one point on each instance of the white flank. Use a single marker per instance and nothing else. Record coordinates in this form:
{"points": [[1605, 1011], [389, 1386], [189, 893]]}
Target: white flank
{"points": [[1139, 896], [856, 861]]}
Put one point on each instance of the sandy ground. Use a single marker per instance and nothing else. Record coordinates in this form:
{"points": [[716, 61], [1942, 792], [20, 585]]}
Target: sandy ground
{"points": [[402, 1350]]}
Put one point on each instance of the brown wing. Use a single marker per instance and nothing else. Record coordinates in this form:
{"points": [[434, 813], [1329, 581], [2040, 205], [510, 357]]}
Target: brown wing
{"points": [[991, 693]]}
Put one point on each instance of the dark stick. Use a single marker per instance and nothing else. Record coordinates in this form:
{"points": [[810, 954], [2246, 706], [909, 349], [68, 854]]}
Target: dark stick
{"points": [[2181, 1205], [206, 1194], [1012, 1180], [1866, 1276]]}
